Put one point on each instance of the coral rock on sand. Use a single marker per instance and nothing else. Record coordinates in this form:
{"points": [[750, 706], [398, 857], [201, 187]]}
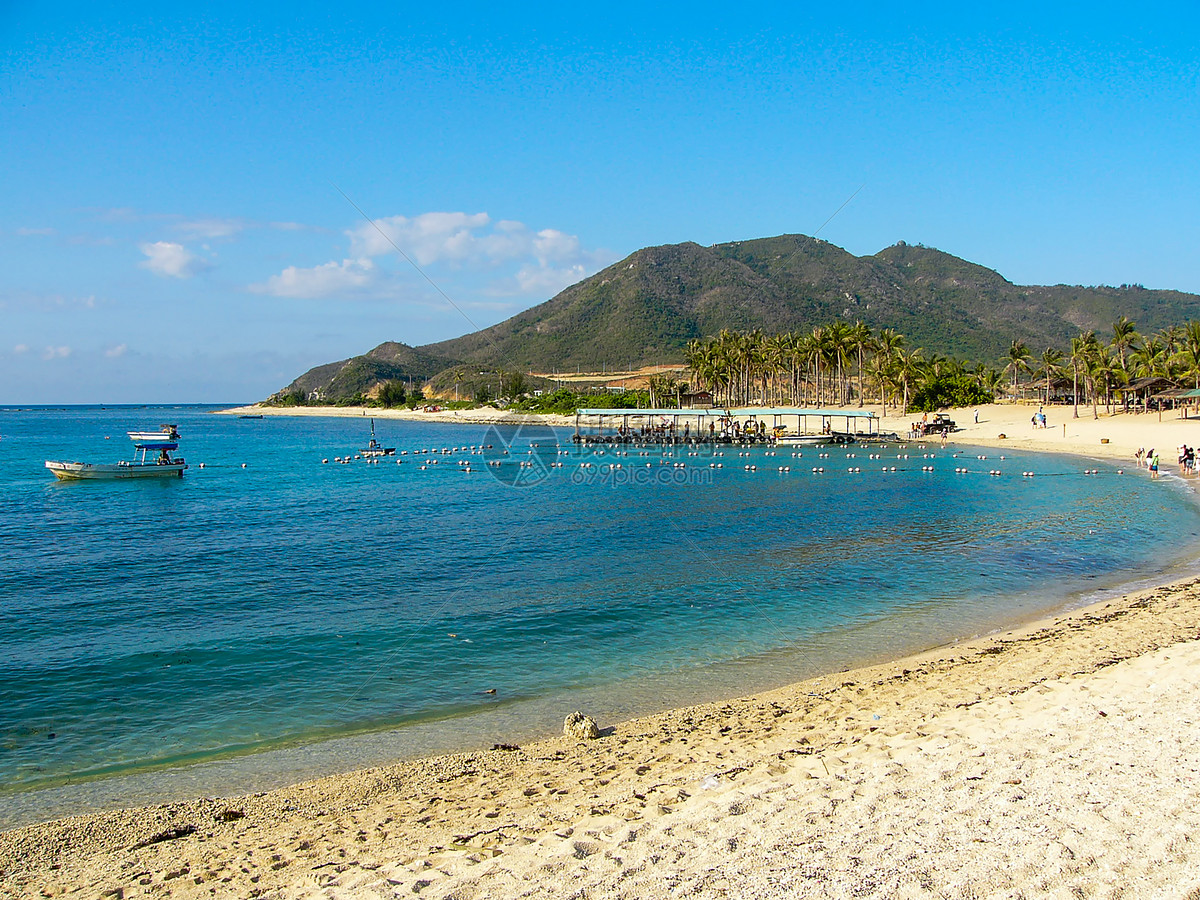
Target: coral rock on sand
{"points": [[577, 725]]}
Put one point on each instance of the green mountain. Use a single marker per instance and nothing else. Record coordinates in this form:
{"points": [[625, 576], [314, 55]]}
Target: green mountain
{"points": [[359, 374], [646, 307]]}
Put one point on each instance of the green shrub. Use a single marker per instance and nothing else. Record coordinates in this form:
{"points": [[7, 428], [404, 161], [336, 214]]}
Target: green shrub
{"points": [[948, 391]]}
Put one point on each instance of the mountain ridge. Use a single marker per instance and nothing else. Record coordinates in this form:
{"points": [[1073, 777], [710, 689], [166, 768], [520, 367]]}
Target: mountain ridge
{"points": [[645, 308]]}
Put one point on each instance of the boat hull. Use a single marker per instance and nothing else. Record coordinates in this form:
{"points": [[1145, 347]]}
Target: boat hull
{"points": [[77, 471], [163, 435], [804, 440]]}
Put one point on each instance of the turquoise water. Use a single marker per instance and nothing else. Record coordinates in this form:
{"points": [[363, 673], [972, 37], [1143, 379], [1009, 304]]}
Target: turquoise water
{"points": [[152, 624]]}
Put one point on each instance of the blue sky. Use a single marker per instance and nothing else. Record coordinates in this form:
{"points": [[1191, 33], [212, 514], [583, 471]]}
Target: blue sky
{"points": [[174, 226]]}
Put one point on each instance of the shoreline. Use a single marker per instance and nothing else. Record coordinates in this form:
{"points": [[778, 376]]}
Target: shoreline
{"points": [[481, 416], [97, 848], [1001, 425], [500, 815], [534, 719]]}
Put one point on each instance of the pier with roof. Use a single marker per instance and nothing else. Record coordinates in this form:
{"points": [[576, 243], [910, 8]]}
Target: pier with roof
{"points": [[747, 423]]}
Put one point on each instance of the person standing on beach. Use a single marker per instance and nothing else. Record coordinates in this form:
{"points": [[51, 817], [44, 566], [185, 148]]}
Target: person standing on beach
{"points": [[1153, 463], [976, 417]]}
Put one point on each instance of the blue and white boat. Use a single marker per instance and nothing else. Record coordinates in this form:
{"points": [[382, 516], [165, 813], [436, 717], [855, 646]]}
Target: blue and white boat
{"points": [[162, 442]]}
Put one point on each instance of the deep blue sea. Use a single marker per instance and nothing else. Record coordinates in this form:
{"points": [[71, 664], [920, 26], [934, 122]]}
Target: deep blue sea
{"points": [[246, 625]]}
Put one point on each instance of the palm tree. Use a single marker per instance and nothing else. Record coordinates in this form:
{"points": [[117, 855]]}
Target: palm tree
{"points": [[887, 348], [775, 354], [840, 345], [1124, 334], [907, 371], [990, 380], [1190, 350], [1051, 367], [1150, 357], [817, 341], [1018, 361], [1100, 372], [862, 341], [1082, 348]]}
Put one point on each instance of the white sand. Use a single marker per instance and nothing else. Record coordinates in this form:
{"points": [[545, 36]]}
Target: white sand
{"points": [[1117, 436]]}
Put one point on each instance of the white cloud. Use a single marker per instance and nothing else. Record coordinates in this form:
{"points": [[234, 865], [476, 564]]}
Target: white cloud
{"points": [[21, 348], [56, 353], [427, 238], [36, 232], [171, 260], [330, 279], [542, 279], [117, 351], [515, 259]]}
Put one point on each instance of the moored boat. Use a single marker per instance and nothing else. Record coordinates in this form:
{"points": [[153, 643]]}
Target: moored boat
{"points": [[804, 440], [162, 442]]}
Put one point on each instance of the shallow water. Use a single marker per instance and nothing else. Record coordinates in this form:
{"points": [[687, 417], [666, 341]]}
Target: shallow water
{"points": [[320, 615]]}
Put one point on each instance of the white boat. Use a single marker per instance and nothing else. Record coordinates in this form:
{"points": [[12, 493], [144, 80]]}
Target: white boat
{"points": [[804, 440], [165, 433], [164, 465]]}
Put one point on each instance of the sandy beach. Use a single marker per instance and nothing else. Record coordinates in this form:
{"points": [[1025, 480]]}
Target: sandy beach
{"points": [[1058, 760]]}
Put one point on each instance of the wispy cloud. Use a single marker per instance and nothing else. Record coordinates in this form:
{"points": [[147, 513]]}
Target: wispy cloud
{"points": [[20, 349], [115, 352], [36, 232], [542, 279], [171, 260], [56, 353], [514, 258], [431, 237], [329, 280], [48, 302], [120, 214], [91, 240], [212, 229]]}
